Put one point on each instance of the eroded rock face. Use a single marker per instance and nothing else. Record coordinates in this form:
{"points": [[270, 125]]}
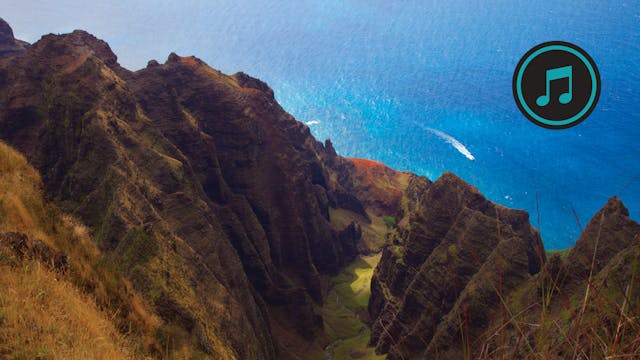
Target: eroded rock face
{"points": [[22, 247], [609, 232], [466, 277], [8, 44], [453, 260], [67, 109], [377, 186], [6, 33], [213, 200]]}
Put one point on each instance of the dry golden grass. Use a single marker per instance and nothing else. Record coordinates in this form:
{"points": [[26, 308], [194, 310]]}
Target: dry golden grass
{"points": [[598, 318], [19, 190], [44, 317], [72, 316]]}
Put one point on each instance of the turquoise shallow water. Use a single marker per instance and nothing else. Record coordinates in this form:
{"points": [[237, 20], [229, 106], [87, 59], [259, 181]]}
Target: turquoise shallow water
{"points": [[375, 76]]}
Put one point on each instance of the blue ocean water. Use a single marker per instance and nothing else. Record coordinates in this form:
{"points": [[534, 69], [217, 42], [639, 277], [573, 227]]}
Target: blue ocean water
{"points": [[375, 76]]}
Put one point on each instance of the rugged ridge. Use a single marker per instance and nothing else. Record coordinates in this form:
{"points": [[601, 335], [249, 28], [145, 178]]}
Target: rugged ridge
{"points": [[588, 292], [65, 107], [371, 192], [444, 265], [8, 44], [465, 278], [213, 200]]}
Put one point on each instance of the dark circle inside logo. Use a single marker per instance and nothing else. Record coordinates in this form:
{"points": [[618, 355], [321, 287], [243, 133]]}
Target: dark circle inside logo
{"points": [[556, 85]]}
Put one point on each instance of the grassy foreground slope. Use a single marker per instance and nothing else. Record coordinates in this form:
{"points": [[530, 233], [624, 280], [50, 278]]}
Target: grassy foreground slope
{"points": [[43, 317], [65, 306]]}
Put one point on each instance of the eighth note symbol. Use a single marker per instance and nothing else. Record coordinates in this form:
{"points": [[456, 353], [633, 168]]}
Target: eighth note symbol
{"points": [[557, 74]]}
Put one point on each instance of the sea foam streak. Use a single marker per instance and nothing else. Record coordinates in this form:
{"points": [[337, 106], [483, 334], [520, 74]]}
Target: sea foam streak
{"points": [[453, 141], [312, 122]]}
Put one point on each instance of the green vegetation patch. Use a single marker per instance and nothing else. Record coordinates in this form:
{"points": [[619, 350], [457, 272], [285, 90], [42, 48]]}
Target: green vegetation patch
{"points": [[389, 221], [562, 253], [138, 247], [353, 284], [356, 348], [345, 308]]}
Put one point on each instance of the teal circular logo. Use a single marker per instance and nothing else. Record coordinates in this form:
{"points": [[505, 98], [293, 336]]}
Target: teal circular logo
{"points": [[556, 85]]}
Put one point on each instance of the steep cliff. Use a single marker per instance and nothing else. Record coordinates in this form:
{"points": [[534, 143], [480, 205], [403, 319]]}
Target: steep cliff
{"points": [[465, 278], [585, 301], [8, 44], [371, 194], [58, 295], [204, 192], [444, 268]]}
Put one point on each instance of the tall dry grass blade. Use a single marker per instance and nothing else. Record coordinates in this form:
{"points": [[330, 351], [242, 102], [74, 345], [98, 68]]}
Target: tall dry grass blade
{"points": [[575, 215], [393, 341], [621, 321], [589, 282]]}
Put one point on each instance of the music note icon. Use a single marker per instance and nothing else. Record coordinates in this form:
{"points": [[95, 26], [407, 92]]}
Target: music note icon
{"points": [[557, 74]]}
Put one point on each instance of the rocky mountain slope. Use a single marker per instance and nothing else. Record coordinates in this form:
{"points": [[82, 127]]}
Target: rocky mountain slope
{"points": [[209, 198], [465, 278], [8, 44], [204, 221], [446, 263], [58, 293]]}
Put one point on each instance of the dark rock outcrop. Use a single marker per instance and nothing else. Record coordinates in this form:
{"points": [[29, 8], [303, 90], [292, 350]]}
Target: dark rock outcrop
{"points": [[585, 292], [8, 44], [608, 233], [456, 256], [20, 246], [467, 278]]}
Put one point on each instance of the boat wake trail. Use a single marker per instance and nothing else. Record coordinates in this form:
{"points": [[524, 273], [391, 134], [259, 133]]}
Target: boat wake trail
{"points": [[453, 141]]}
